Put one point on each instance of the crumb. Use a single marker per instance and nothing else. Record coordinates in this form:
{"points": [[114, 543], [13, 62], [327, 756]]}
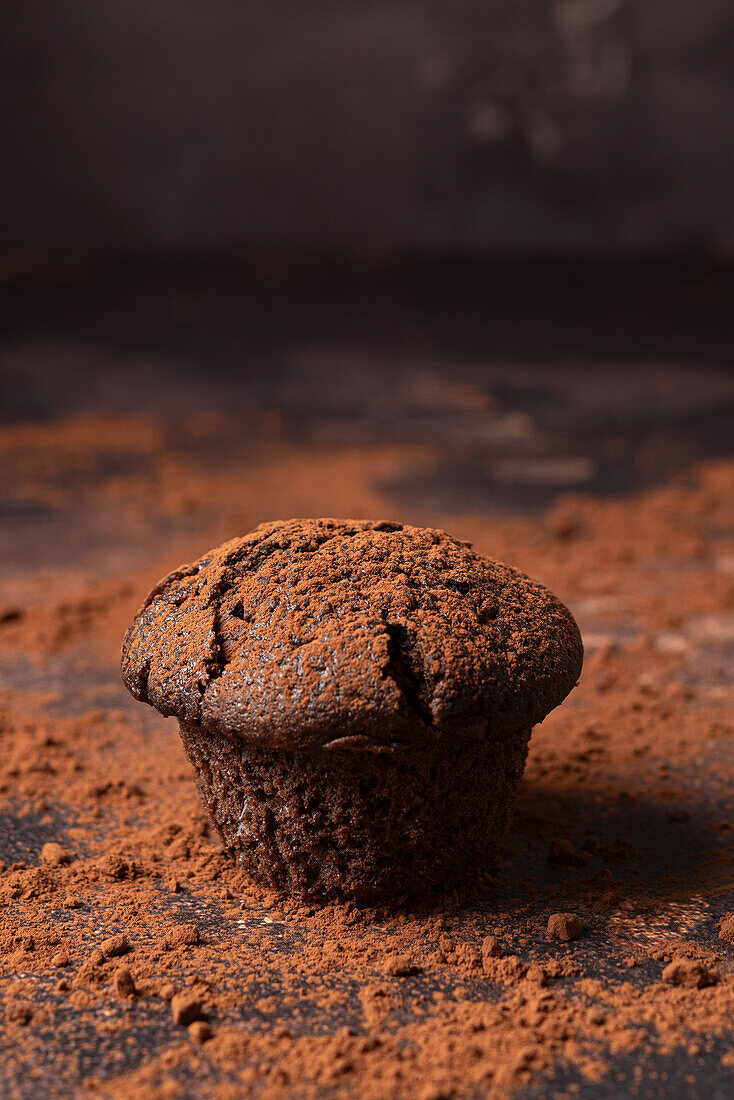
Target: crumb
{"points": [[123, 983], [182, 935], [54, 855], [115, 946], [186, 1008], [399, 966], [689, 972], [564, 926], [726, 928], [199, 1031]]}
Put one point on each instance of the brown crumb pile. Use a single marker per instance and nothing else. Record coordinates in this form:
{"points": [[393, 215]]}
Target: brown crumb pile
{"points": [[136, 960]]}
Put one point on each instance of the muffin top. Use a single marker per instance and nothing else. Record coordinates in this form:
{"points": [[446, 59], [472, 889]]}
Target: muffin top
{"points": [[354, 635]]}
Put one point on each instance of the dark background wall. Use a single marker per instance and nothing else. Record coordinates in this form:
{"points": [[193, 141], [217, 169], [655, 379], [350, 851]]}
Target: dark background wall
{"points": [[510, 126]]}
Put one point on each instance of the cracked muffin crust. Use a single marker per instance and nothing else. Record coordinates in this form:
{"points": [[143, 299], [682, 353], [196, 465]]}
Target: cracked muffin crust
{"points": [[320, 632], [363, 655]]}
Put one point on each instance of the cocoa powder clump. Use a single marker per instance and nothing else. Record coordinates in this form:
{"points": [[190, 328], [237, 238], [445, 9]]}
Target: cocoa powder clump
{"points": [[200, 1032], [564, 926], [123, 982], [114, 946], [689, 972], [726, 928], [492, 948], [54, 855], [183, 935], [186, 1008]]}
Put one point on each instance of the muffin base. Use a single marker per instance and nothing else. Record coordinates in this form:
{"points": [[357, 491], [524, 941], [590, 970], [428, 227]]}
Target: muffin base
{"points": [[358, 826]]}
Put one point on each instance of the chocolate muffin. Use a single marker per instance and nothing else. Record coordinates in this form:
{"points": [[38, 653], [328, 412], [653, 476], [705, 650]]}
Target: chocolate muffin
{"points": [[356, 699]]}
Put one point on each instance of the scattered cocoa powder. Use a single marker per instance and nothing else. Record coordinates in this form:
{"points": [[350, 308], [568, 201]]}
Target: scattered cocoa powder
{"points": [[622, 818]]}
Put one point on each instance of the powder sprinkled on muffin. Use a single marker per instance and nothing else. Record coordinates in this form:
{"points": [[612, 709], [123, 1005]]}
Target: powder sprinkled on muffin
{"points": [[356, 698]]}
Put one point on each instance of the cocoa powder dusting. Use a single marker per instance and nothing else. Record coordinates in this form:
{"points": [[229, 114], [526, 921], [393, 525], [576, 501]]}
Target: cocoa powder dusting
{"points": [[137, 960]]}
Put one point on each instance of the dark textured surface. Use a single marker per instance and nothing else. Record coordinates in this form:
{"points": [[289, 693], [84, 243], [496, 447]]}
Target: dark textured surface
{"points": [[552, 125], [362, 827], [349, 634], [626, 370]]}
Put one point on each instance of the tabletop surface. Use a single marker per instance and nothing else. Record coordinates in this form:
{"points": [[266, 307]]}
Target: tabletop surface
{"points": [[580, 430]]}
